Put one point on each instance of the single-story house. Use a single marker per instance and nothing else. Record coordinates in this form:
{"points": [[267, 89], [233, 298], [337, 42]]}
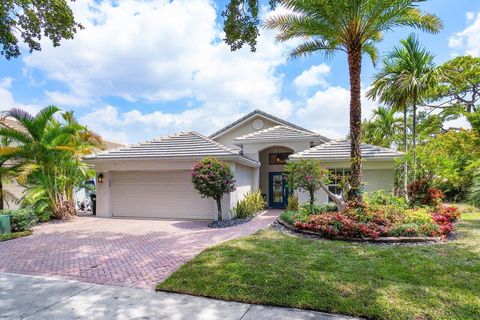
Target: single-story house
{"points": [[152, 179]]}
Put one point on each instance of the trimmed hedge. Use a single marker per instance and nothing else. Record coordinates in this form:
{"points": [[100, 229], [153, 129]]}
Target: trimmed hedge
{"points": [[21, 219]]}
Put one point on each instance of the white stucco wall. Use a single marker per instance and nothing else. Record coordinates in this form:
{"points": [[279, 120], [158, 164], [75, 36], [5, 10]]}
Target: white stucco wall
{"points": [[243, 175], [374, 180]]}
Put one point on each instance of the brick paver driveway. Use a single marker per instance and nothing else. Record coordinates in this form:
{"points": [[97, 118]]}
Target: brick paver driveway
{"points": [[135, 253]]}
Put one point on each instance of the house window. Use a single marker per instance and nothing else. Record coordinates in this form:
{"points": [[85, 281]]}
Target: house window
{"points": [[336, 176], [278, 158]]}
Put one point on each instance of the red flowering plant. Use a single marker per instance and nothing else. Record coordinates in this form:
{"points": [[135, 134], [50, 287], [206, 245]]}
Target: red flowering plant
{"points": [[213, 178], [420, 192], [339, 225], [445, 217]]}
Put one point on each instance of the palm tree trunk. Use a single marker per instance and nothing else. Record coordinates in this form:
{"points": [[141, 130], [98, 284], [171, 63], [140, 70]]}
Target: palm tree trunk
{"points": [[355, 66], [414, 135], [405, 146]]}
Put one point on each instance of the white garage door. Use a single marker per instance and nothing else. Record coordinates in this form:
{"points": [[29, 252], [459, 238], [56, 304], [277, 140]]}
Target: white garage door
{"points": [[165, 194]]}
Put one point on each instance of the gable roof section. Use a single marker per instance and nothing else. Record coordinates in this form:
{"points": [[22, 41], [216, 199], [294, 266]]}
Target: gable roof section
{"points": [[251, 115], [340, 150], [185, 145], [279, 132]]}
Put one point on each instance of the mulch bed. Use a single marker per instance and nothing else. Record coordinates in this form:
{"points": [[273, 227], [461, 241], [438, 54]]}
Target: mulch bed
{"points": [[284, 226], [228, 223]]}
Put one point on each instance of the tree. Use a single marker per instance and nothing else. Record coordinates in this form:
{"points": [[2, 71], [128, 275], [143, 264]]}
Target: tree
{"points": [[383, 129], [30, 20], [213, 178], [462, 90], [310, 176], [6, 172], [47, 154], [449, 160], [353, 27], [408, 73]]}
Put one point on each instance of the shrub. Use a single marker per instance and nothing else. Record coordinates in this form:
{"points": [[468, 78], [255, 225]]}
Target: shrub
{"points": [[250, 205], [213, 178], [292, 204], [309, 209], [21, 219], [292, 216], [421, 193], [384, 198], [328, 207], [418, 216], [333, 225]]}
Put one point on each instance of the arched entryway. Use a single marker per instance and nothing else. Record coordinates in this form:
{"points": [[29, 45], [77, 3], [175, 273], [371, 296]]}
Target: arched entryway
{"points": [[272, 184]]}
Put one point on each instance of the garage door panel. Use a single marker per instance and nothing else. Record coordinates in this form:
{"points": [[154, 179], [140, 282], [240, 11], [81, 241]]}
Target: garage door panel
{"points": [[168, 194]]}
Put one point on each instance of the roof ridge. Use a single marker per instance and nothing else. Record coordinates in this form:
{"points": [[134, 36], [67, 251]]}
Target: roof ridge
{"points": [[218, 144], [264, 114]]}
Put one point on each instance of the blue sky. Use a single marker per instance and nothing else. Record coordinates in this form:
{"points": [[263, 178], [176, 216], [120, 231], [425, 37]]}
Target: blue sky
{"points": [[145, 69]]}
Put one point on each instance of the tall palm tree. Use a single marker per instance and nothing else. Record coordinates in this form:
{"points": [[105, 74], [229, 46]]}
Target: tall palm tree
{"points": [[408, 73], [353, 27], [383, 128]]}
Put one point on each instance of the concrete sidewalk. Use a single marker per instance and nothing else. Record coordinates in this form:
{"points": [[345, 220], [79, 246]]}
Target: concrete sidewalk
{"points": [[35, 297]]}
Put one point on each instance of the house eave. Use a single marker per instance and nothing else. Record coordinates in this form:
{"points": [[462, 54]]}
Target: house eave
{"points": [[241, 159]]}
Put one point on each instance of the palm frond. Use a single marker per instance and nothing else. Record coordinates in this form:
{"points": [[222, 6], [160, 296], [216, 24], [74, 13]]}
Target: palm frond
{"points": [[312, 46], [23, 117], [15, 135], [8, 151], [42, 118]]}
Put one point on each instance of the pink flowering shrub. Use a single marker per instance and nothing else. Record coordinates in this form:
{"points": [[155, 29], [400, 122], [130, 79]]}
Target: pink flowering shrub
{"points": [[213, 178]]}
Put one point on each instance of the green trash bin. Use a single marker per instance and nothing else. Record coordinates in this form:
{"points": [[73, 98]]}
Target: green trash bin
{"points": [[5, 224]]}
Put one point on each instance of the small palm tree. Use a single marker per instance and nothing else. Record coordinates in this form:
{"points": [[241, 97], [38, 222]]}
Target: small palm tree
{"points": [[47, 155], [408, 73], [383, 128], [353, 27]]}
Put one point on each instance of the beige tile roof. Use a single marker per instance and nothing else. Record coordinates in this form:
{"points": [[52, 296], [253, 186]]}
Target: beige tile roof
{"points": [[340, 150], [184, 145], [280, 132]]}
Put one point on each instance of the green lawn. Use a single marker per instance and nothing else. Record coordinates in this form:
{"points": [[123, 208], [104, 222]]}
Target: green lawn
{"points": [[14, 235], [439, 281]]}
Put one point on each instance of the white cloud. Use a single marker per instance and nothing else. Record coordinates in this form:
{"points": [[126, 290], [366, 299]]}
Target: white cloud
{"points": [[468, 40], [7, 100], [470, 15], [312, 77], [328, 111], [168, 50]]}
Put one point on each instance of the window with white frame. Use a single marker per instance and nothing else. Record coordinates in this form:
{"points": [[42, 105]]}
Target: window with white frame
{"points": [[336, 176]]}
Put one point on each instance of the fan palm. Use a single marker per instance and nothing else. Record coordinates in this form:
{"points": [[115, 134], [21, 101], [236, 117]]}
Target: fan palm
{"points": [[383, 128], [354, 27], [408, 73]]}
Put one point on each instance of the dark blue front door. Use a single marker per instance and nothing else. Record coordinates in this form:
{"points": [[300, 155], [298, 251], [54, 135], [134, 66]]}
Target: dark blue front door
{"points": [[277, 190]]}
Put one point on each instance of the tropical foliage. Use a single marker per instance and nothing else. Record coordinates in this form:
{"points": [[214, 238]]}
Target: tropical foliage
{"points": [[45, 154], [383, 128], [213, 178], [251, 204]]}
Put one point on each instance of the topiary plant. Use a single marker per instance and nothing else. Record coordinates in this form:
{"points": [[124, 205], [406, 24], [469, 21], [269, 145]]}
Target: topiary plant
{"points": [[213, 178]]}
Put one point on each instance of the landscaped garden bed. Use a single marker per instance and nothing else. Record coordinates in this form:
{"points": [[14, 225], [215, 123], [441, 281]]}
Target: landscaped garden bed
{"points": [[375, 223]]}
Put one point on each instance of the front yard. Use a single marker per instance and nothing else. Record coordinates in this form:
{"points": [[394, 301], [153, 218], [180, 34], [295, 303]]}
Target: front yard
{"points": [[438, 281]]}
